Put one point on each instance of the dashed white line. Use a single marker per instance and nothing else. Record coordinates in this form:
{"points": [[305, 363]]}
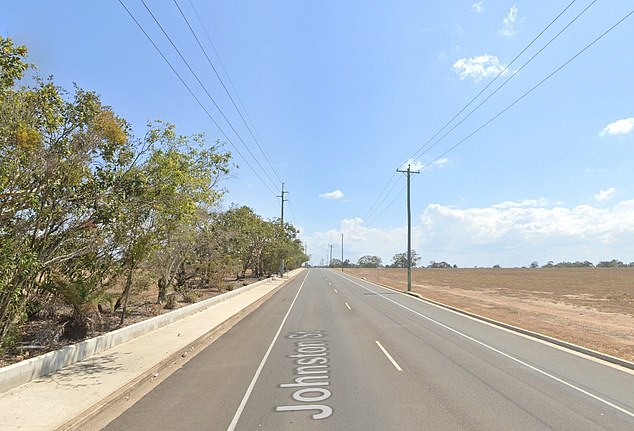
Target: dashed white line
{"points": [[347, 306], [388, 356], [506, 355], [335, 290]]}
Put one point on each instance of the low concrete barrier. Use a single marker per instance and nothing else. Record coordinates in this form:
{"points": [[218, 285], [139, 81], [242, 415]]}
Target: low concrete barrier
{"points": [[23, 372]]}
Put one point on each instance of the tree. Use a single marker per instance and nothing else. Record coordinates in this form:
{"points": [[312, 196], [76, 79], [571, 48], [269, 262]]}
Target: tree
{"points": [[614, 263], [83, 203], [181, 178], [434, 264], [335, 263], [61, 158], [368, 261], [399, 260], [12, 65]]}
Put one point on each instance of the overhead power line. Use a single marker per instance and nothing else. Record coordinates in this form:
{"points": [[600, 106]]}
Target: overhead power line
{"points": [[224, 69], [502, 72], [206, 91], [191, 92], [508, 79], [378, 216], [425, 148], [378, 199], [255, 139], [550, 75]]}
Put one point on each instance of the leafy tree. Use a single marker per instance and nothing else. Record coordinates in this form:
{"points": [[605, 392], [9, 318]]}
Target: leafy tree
{"points": [[443, 264], [614, 263], [12, 65], [60, 159], [368, 261], [335, 263], [399, 260], [181, 177]]}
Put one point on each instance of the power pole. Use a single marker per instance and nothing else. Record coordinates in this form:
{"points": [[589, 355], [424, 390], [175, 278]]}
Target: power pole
{"points": [[330, 260], [282, 227], [409, 173], [341, 252]]}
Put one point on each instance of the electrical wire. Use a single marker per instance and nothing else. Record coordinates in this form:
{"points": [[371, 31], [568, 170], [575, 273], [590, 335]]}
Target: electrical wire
{"points": [[502, 72], [508, 79], [389, 205], [207, 92], [550, 75], [426, 148], [191, 92], [226, 90], [374, 204]]}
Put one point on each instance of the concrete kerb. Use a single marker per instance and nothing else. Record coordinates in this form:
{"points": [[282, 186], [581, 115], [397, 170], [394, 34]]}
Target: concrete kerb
{"points": [[23, 372], [561, 343]]}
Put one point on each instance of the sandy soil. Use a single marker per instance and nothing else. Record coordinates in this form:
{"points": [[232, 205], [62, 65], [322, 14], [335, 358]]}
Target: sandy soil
{"points": [[592, 307]]}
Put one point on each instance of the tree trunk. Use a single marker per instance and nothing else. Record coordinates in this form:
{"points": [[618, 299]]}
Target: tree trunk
{"points": [[162, 289], [126, 293]]}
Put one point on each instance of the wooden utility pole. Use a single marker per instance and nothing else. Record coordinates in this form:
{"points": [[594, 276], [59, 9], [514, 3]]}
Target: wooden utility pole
{"points": [[282, 227], [409, 173], [341, 252]]}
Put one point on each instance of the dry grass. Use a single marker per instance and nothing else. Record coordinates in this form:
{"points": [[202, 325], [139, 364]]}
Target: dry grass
{"points": [[593, 307]]}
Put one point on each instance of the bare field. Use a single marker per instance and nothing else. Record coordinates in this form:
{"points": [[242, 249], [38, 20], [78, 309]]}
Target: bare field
{"points": [[591, 307]]}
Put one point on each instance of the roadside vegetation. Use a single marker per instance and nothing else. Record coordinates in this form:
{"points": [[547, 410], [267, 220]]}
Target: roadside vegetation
{"points": [[90, 213]]}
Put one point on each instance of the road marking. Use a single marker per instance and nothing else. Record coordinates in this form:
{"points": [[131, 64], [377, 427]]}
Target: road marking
{"points": [[506, 355], [243, 403], [347, 306], [335, 290], [311, 356], [388, 356]]}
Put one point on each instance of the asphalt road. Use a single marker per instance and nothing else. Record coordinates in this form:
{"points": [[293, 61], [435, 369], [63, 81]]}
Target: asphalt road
{"points": [[331, 352]]}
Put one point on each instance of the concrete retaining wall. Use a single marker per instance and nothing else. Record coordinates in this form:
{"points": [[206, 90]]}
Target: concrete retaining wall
{"points": [[23, 372]]}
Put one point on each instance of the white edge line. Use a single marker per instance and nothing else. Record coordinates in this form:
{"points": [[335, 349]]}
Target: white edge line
{"points": [[550, 344], [388, 356], [347, 306], [506, 355], [243, 403]]}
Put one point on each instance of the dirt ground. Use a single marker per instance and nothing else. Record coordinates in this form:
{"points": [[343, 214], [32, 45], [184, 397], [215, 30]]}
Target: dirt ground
{"points": [[591, 307], [43, 335]]}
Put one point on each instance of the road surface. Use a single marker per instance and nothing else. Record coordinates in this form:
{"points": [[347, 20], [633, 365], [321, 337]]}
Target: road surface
{"points": [[331, 352]]}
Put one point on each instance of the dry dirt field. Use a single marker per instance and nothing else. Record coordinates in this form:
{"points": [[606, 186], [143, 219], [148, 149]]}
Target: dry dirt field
{"points": [[591, 307]]}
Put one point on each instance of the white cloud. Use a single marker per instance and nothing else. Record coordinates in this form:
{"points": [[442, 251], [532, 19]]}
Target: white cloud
{"points": [[478, 7], [605, 195], [592, 171], [512, 233], [526, 203], [509, 23], [620, 127], [337, 194], [441, 162], [414, 165], [478, 67], [417, 165]]}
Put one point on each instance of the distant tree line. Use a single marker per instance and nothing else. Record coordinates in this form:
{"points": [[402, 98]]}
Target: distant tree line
{"points": [[399, 260], [86, 208], [614, 263]]}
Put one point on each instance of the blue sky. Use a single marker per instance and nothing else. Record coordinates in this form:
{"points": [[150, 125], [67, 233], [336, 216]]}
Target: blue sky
{"points": [[342, 94]]}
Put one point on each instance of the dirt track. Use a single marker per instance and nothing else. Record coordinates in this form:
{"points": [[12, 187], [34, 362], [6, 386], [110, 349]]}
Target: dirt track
{"points": [[592, 307]]}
